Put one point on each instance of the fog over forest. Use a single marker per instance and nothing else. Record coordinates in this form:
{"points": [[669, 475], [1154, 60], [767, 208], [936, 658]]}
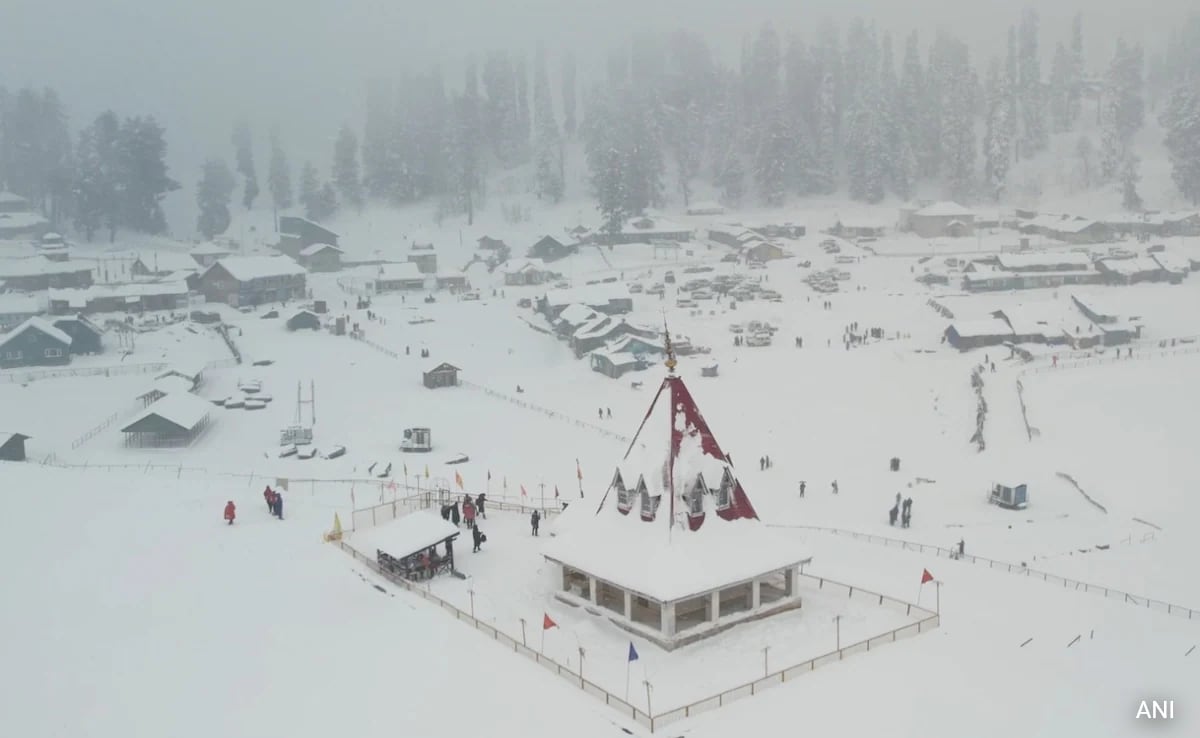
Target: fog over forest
{"points": [[198, 67]]}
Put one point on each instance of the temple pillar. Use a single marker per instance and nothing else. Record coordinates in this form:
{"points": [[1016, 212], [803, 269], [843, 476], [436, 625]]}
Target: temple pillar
{"points": [[714, 606], [790, 582], [592, 589], [668, 618], [755, 594], [628, 605]]}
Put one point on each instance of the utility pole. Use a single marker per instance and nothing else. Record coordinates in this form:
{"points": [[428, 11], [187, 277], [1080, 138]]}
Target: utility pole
{"points": [[837, 621], [581, 653], [766, 669], [523, 643]]}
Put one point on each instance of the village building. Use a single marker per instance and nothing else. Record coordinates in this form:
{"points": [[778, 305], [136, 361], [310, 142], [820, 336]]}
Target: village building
{"points": [[942, 220], [38, 273], [573, 317], [174, 420], [253, 280], [770, 228], [391, 277], [136, 297], [86, 336], [162, 387], [858, 229], [453, 281], [734, 236], [304, 320], [12, 446], [441, 375], [487, 243], [36, 342], [158, 264], [1135, 270], [1181, 223], [644, 229], [595, 334], [971, 334], [207, 254], [524, 272], [18, 219], [610, 299], [549, 249], [320, 257], [423, 255], [674, 551], [615, 364], [1071, 229], [16, 309], [764, 251], [297, 234]]}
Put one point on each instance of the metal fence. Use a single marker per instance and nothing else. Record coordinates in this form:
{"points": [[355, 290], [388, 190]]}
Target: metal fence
{"points": [[386, 512], [1139, 355], [1169, 608], [928, 621], [21, 377], [546, 411]]}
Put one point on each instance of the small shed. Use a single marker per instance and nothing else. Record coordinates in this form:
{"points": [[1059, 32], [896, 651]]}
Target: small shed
{"points": [[304, 320], [418, 440], [85, 335], [175, 420], [1011, 498], [709, 371], [12, 446], [320, 257], [407, 547], [163, 386], [442, 375]]}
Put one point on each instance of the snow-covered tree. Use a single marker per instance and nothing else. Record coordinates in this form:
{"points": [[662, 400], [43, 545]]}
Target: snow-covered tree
{"points": [[997, 146], [345, 168], [1124, 109], [1130, 199], [143, 180], [773, 159], [913, 116], [1075, 89], [603, 137], [310, 189], [213, 195], [825, 147], [378, 175], [1181, 119], [243, 145], [97, 177], [1034, 133], [1085, 162], [547, 140], [569, 98], [279, 176], [957, 105], [1061, 89]]}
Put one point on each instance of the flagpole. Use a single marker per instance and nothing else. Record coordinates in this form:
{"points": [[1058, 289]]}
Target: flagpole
{"points": [[938, 606], [628, 668]]}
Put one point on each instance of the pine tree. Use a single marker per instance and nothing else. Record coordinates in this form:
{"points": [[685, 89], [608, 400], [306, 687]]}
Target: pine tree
{"points": [[1130, 199], [279, 178], [143, 180], [866, 137], [825, 147], [96, 177], [327, 202], [957, 117], [997, 146], [604, 141], [1085, 162], [1061, 89], [1124, 109], [773, 159], [213, 195], [731, 178], [1075, 90], [345, 168], [1181, 119], [917, 155], [310, 190], [524, 125], [244, 149], [379, 176], [568, 93], [548, 151], [501, 120], [1034, 133]]}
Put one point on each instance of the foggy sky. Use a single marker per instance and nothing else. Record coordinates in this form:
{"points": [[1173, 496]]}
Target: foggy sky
{"points": [[199, 64]]}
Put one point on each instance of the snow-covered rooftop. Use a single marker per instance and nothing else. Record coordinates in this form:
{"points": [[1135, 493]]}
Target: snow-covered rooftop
{"points": [[81, 295], [167, 385], [210, 249], [317, 248], [945, 208], [981, 327], [248, 268], [590, 294], [168, 261], [1051, 259], [519, 265], [38, 324], [392, 271], [182, 409], [13, 303], [38, 266], [406, 535], [577, 314], [1130, 267]]}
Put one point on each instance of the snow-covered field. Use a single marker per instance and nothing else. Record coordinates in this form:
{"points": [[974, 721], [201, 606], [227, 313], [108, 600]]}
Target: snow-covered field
{"points": [[149, 609]]}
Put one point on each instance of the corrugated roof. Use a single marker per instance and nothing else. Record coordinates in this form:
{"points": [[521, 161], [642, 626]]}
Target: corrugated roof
{"points": [[184, 410], [38, 266], [1024, 261], [945, 208], [37, 324], [248, 268], [317, 248]]}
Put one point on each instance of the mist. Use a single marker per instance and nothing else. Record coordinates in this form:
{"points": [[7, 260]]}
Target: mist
{"points": [[303, 66]]}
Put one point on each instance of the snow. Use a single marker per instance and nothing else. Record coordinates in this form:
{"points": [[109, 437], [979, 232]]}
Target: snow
{"points": [[578, 314], [21, 220], [981, 328], [248, 268], [38, 324], [1069, 259], [10, 198], [182, 409], [944, 208], [38, 266], [210, 249], [15, 304], [169, 385], [163, 261], [80, 296], [1131, 267], [589, 294], [412, 533], [392, 271]]}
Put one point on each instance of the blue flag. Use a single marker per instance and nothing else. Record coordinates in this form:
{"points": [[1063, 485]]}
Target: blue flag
{"points": [[633, 654]]}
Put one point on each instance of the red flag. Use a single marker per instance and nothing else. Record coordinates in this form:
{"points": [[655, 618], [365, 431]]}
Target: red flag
{"points": [[926, 577], [547, 623], [556, 491], [523, 492]]}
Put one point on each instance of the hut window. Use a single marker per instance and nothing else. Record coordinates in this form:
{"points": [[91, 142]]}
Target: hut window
{"points": [[53, 353], [725, 493], [695, 498], [649, 504], [624, 496]]}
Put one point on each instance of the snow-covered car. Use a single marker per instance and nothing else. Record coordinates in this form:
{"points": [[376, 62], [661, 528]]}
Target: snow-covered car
{"points": [[736, 328], [758, 339], [656, 289], [702, 295], [805, 264], [684, 302], [525, 302], [469, 296], [730, 258], [636, 288], [771, 295]]}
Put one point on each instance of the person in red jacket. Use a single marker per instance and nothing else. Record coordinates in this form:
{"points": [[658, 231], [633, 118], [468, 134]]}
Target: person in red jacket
{"points": [[469, 513], [230, 512], [269, 496]]}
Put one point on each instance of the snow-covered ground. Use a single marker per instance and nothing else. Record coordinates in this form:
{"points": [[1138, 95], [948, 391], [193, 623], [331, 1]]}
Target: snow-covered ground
{"points": [[149, 610]]}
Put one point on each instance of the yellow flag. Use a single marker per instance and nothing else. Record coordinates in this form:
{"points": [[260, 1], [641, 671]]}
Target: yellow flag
{"points": [[427, 471]]}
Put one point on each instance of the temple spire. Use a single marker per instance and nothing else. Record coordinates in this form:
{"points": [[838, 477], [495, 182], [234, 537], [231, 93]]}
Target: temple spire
{"points": [[670, 362]]}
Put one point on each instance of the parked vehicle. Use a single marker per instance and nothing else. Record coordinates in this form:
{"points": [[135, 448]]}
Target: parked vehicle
{"points": [[636, 288], [669, 277], [684, 302], [758, 339], [656, 289]]}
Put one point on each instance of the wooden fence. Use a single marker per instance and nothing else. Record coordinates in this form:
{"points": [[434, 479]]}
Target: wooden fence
{"points": [[647, 719], [21, 377], [1169, 608]]}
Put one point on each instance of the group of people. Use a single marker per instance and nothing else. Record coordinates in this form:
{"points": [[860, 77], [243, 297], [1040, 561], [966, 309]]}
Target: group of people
{"points": [[274, 505], [764, 463], [604, 412], [804, 487], [902, 510], [472, 511]]}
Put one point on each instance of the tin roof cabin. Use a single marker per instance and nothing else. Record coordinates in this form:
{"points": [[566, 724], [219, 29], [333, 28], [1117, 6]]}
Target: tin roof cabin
{"points": [[304, 320], [942, 220], [12, 446], [596, 333], [86, 336], [549, 248], [16, 309], [297, 234], [644, 229], [615, 364], [395, 277], [36, 342], [38, 273], [1133, 271], [965, 335], [253, 280], [442, 375], [320, 257]]}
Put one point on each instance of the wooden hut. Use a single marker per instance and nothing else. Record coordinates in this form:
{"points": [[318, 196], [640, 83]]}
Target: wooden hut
{"points": [[442, 375], [12, 446], [304, 320], [175, 420]]}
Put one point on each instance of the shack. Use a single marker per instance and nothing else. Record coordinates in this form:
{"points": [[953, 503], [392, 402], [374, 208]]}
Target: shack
{"points": [[175, 420], [442, 375], [12, 446]]}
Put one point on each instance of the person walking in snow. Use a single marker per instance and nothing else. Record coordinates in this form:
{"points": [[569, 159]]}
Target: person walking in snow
{"points": [[892, 515], [479, 503], [802, 485], [269, 496], [600, 413], [762, 463], [446, 513], [469, 513], [608, 410], [534, 520], [835, 487], [279, 504], [230, 512], [454, 513], [478, 538]]}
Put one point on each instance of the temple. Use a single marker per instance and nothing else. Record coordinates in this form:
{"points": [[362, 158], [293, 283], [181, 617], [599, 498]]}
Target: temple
{"points": [[675, 551]]}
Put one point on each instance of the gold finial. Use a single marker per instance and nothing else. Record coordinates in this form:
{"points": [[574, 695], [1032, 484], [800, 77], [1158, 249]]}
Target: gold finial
{"points": [[670, 362]]}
